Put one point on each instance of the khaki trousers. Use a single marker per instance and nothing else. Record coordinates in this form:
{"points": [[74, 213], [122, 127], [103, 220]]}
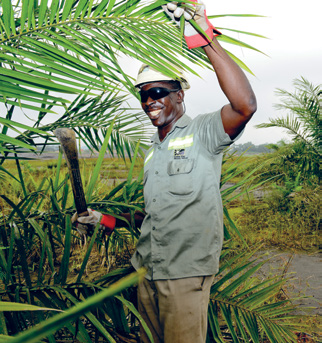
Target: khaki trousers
{"points": [[175, 310]]}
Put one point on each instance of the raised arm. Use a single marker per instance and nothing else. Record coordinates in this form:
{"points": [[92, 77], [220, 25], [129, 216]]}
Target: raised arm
{"points": [[235, 85], [232, 80]]}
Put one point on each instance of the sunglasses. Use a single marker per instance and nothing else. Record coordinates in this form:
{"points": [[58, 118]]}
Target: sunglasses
{"points": [[155, 93]]}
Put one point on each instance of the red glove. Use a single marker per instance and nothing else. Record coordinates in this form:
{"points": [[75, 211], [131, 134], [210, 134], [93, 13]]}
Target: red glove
{"points": [[94, 217], [108, 222], [193, 38]]}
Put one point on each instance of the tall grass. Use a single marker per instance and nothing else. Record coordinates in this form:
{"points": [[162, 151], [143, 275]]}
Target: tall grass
{"points": [[37, 256]]}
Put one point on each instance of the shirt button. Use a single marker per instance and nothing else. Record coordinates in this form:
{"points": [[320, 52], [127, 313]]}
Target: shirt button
{"points": [[159, 147], [153, 228], [156, 173], [154, 200]]}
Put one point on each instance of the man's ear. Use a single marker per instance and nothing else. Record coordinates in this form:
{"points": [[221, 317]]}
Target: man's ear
{"points": [[180, 95]]}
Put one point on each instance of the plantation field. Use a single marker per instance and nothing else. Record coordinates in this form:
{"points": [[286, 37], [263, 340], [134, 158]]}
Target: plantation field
{"points": [[254, 207], [112, 172], [259, 213]]}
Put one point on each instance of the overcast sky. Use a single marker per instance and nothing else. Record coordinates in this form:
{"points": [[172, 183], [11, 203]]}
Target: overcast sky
{"points": [[294, 49]]}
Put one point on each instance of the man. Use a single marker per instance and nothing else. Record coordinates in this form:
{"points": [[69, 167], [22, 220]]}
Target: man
{"points": [[182, 232]]}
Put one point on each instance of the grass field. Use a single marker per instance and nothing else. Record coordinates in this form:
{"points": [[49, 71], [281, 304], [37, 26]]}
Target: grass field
{"points": [[262, 220]]}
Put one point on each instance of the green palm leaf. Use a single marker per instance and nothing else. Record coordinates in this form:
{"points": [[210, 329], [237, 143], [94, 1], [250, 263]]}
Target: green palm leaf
{"points": [[248, 308], [52, 49], [303, 121], [236, 15], [242, 32], [11, 306], [78, 37], [80, 308]]}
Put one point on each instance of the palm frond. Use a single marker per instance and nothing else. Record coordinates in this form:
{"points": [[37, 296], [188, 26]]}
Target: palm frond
{"points": [[242, 32], [60, 320], [303, 120], [231, 40], [55, 52], [69, 48], [246, 307]]}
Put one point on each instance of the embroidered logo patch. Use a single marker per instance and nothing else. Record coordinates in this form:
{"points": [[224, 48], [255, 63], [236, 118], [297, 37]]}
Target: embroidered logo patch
{"points": [[179, 154]]}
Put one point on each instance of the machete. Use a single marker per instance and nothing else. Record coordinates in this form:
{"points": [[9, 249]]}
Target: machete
{"points": [[67, 140]]}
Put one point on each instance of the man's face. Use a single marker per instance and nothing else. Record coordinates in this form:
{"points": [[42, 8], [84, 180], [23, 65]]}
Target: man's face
{"points": [[163, 112]]}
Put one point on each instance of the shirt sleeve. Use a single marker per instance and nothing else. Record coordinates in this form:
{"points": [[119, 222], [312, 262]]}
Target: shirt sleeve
{"points": [[212, 134]]}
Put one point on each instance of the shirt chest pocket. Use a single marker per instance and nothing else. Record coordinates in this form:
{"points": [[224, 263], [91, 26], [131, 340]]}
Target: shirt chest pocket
{"points": [[181, 177]]}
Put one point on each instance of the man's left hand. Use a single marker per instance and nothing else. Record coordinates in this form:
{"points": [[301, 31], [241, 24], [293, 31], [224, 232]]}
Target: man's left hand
{"points": [[94, 217], [196, 12]]}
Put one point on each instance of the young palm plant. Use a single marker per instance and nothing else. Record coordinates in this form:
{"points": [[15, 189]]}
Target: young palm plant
{"points": [[36, 262], [303, 124]]}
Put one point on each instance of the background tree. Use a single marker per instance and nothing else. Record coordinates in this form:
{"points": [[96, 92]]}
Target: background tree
{"points": [[303, 124]]}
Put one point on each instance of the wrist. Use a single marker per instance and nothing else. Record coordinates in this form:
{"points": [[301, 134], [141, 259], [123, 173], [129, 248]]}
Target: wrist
{"points": [[196, 39], [108, 221]]}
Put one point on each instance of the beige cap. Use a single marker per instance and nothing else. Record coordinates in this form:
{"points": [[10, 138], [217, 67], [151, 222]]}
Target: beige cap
{"points": [[148, 74]]}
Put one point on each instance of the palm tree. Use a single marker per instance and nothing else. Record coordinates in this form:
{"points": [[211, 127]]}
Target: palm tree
{"points": [[61, 57], [303, 124]]}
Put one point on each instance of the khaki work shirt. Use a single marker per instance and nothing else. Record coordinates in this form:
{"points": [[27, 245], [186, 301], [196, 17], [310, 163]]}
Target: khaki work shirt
{"points": [[182, 233]]}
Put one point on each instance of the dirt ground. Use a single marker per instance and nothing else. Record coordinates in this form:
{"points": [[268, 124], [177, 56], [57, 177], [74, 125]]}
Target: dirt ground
{"points": [[305, 272]]}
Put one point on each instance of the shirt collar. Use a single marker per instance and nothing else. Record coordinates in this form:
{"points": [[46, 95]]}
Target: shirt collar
{"points": [[182, 122]]}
